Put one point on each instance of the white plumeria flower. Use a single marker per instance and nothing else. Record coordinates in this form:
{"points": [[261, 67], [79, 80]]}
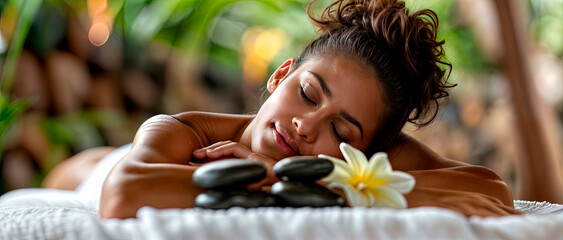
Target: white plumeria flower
{"points": [[368, 184]]}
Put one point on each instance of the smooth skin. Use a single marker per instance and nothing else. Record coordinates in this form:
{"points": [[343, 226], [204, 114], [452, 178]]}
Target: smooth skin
{"points": [[311, 110]]}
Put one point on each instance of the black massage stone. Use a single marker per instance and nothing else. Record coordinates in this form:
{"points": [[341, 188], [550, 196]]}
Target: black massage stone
{"points": [[213, 199], [296, 194], [303, 168], [230, 173]]}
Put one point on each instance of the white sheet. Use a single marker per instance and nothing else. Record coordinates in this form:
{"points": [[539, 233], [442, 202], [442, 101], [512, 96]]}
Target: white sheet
{"points": [[86, 196], [279, 223]]}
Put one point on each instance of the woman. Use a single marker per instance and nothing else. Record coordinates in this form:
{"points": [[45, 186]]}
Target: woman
{"points": [[373, 68]]}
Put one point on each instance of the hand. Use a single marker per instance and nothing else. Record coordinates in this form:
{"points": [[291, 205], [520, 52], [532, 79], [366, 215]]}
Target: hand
{"points": [[230, 149]]}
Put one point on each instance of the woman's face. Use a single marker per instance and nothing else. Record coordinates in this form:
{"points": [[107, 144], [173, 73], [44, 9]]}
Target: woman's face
{"points": [[326, 101]]}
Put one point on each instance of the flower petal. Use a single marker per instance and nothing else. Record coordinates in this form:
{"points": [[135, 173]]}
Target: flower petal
{"points": [[355, 198], [372, 183], [372, 199], [378, 168], [355, 158], [379, 164], [340, 166], [401, 181], [336, 185], [388, 197], [336, 178]]}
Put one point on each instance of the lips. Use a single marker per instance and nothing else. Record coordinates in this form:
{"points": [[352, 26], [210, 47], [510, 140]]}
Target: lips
{"points": [[284, 142]]}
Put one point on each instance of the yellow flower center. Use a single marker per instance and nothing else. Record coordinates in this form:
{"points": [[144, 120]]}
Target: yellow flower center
{"points": [[360, 182]]}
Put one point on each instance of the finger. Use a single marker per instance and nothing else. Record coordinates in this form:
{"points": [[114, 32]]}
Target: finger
{"points": [[230, 149], [265, 183], [195, 164], [201, 153], [217, 144], [266, 188], [269, 164]]}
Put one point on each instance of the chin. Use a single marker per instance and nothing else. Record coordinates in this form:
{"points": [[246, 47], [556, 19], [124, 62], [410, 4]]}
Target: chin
{"points": [[262, 148]]}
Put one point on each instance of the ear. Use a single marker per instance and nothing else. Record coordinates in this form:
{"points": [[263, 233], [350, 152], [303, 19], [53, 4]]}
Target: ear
{"points": [[280, 74]]}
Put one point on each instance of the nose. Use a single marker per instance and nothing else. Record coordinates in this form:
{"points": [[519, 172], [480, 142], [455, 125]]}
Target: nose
{"points": [[305, 127]]}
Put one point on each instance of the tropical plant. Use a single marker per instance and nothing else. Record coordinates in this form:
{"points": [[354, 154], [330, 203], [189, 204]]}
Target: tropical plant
{"points": [[9, 110]]}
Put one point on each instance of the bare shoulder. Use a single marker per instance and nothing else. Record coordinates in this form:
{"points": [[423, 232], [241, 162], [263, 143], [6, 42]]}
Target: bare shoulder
{"points": [[410, 154], [214, 127]]}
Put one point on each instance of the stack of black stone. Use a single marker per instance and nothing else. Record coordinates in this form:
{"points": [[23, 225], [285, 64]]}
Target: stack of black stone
{"points": [[226, 182], [298, 187]]}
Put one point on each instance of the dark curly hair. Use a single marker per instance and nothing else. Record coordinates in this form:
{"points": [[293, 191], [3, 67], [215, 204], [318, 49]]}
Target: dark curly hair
{"points": [[401, 47]]}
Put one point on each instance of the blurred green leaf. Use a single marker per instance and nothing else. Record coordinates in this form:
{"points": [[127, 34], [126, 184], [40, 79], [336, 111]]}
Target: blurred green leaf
{"points": [[150, 19], [462, 50], [27, 10], [9, 111], [51, 14], [78, 130], [547, 24]]}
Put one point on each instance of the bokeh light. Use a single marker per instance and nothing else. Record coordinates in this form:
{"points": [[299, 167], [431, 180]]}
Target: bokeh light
{"points": [[259, 47], [101, 22]]}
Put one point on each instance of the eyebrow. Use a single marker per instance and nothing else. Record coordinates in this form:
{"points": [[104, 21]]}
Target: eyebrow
{"points": [[353, 121], [322, 82], [328, 93]]}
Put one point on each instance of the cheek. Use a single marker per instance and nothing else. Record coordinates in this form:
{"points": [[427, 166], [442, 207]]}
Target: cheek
{"points": [[275, 101], [281, 105], [268, 110], [327, 147]]}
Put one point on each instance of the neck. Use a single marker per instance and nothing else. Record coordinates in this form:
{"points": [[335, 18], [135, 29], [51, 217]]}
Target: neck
{"points": [[402, 154]]}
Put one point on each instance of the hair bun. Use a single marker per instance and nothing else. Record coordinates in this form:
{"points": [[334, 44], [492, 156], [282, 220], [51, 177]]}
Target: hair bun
{"points": [[411, 38], [345, 13], [389, 21]]}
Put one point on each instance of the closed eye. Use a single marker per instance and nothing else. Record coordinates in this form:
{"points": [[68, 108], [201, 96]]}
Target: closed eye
{"points": [[338, 136], [305, 97]]}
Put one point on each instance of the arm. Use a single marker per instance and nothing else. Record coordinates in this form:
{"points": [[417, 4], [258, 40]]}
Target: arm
{"points": [[154, 172], [440, 182], [469, 190]]}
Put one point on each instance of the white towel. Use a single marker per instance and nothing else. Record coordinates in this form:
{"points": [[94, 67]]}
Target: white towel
{"points": [[274, 223]]}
